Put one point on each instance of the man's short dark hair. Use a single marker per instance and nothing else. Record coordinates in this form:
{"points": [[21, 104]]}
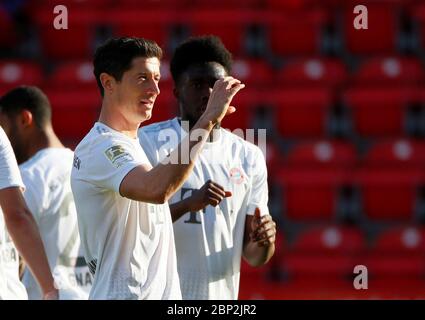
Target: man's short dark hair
{"points": [[198, 50], [27, 98], [115, 56]]}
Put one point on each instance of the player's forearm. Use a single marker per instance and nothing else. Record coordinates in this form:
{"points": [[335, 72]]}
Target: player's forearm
{"points": [[257, 256], [178, 209], [25, 235], [165, 179], [24, 232]]}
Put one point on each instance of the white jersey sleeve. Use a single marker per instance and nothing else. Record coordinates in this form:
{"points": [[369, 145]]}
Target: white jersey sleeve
{"points": [[116, 158], [259, 188], [9, 171]]}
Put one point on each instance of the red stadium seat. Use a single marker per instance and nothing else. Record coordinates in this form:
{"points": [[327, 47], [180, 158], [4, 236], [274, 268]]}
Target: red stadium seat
{"points": [[381, 35], [329, 239], [301, 112], [399, 153], [150, 24], [315, 171], [74, 112], [379, 112], [311, 194], [328, 251], [19, 72], [297, 33], [253, 72], [312, 71], [390, 71], [398, 252], [231, 27], [392, 266], [73, 75], [408, 240], [321, 154], [388, 194]]}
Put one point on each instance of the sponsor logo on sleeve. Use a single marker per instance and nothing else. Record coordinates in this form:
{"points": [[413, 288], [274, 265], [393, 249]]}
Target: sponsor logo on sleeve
{"points": [[118, 156]]}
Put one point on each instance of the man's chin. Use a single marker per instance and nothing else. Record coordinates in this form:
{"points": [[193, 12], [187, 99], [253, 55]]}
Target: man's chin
{"points": [[147, 116]]}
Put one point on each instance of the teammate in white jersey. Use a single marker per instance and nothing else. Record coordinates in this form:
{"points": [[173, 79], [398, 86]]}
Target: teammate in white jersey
{"points": [[17, 224], [45, 166], [125, 223], [213, 212]]}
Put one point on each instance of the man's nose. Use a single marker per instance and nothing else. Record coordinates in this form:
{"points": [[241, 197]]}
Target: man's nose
{"points": [[154, 88]]}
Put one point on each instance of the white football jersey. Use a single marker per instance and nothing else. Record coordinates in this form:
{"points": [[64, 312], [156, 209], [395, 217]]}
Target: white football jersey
{"points": [[209, 243], [48, 194], [10, 286], [128, 245]]}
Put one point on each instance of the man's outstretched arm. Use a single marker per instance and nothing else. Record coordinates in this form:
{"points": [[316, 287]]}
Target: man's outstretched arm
{"points": [[158, 184]]}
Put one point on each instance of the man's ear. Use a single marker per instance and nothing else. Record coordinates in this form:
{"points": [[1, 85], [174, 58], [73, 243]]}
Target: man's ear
{"points": [[26, 118], [108, 82]]}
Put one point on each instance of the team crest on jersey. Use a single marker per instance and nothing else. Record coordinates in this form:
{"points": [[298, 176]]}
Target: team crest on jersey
{"points": [[236, 175], [118, 156]]}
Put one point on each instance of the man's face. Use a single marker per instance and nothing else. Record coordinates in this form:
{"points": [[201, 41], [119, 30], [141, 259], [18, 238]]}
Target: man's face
{"points": [[15, 135], [139, 88], [194, 87]]}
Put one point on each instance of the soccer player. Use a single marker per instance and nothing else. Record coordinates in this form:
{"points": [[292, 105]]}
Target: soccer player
{"points": [[45, 166], [17, 224], [220, 213], [121, 200]]}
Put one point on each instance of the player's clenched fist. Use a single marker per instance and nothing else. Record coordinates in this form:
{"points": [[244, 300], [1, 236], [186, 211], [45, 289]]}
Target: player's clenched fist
{"points": [[263, 229], [211, 193], [219, 101]]}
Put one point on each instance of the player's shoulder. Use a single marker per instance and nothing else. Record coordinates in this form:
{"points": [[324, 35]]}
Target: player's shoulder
{"points": [[154, 128], [100, 135], [45, 161]]}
